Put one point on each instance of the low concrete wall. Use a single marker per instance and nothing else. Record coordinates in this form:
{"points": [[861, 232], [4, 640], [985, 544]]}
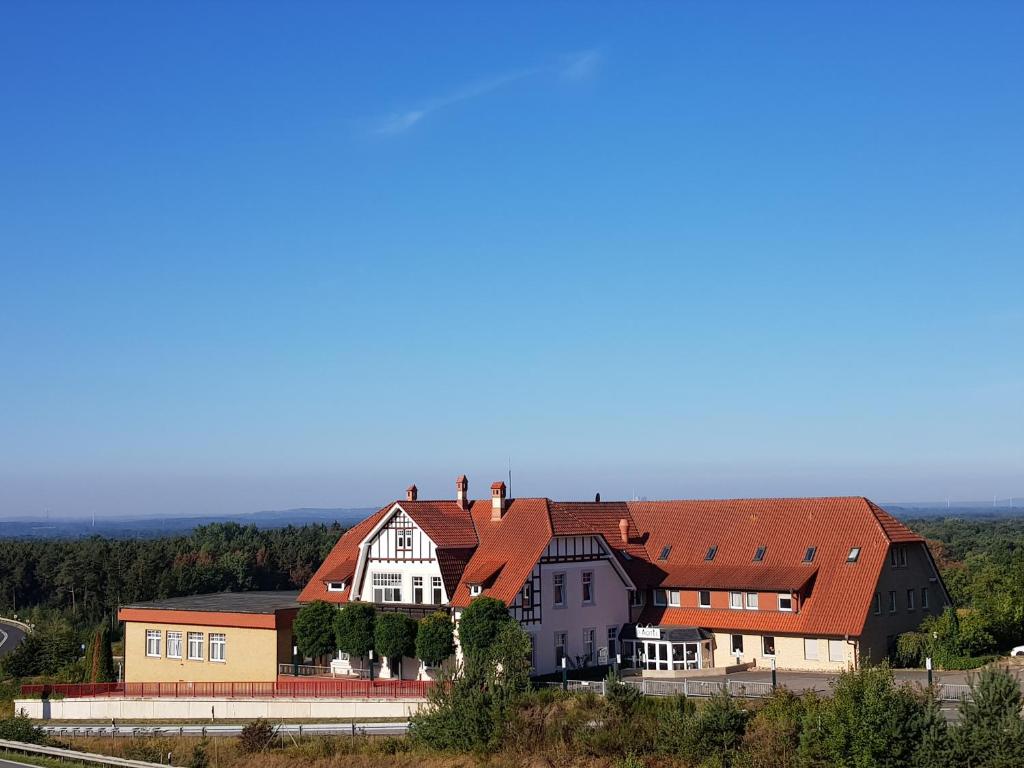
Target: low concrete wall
{"points": [[104, 709]]}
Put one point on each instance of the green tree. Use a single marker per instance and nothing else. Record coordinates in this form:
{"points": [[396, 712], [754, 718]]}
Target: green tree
{"points": [[353, 628], [990, 733], [435, 639], [479, 625], [100, 657], [936, 747], [869, 722], [314, 629], [394, 637]]}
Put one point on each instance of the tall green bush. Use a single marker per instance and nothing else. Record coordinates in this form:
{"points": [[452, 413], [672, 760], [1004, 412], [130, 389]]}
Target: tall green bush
{"points": [[314, 629], [990, 733], [394, 637], [479, 625], [435, 639], [353, 628]]}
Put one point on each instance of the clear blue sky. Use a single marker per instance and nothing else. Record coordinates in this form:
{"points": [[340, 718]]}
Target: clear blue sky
{"points": [[263, 256]]}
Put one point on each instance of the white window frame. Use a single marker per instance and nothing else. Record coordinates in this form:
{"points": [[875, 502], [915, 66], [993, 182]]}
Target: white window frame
{"points": [[612, 639], [700, 598], [832, 644], [417, 583], [892, 601], [736, 600], [436, 590], [387, 587], [636, 599], [878, 603], [590, 644], [197, 637], [733, 650], [335, 586], [811, 643], [174, 640], [153, 642], [526, 595], [587, 587], [911, 594], [218, 641], [403, 540], [660, 598], [564, 645], [475, 590], [789, 599], [558, 590], [764, 647], [751, 605], [673, 598]]}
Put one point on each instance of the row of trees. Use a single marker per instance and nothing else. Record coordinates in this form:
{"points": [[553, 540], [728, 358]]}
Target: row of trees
{"points": [[321, 630], [87, 580]]}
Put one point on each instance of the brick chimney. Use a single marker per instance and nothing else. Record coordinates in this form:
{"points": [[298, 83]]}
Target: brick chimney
{"points": [[410, 493], [624, 530], [462, 491], [498, 502]]}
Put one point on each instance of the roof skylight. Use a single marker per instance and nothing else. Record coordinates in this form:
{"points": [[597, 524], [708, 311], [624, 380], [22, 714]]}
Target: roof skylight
{"points": [[759, 554]]}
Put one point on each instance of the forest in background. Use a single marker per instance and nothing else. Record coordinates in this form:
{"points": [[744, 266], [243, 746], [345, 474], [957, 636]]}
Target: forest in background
{"points": [[86, 580]]}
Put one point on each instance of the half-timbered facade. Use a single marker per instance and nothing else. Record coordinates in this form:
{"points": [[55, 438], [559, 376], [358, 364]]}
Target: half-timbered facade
{"points": [[671, 587]]}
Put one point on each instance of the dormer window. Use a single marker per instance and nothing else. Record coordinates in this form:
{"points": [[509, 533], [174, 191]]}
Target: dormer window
{"points": [[475, 589], [335, 586], [809, 554], [854, 555], [712, 551], [665, 552], [759, 554]]}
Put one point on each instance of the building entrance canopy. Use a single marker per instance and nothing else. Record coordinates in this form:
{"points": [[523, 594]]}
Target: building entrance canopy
{"points": [[665, 648]]}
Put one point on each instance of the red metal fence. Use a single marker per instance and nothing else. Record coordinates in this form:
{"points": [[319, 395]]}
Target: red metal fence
{"points": [[307, 689]]}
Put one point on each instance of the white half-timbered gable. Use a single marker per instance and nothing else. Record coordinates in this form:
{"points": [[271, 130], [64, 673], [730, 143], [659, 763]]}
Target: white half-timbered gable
{"points": [[398, 564]]}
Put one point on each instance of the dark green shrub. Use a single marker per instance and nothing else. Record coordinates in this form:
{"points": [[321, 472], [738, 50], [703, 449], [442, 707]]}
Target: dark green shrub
{"points": [[353, 628], [435, 639], [394, 636], [990, 733], [20, 728], [256, 736], [314, 629], [480, 623]]}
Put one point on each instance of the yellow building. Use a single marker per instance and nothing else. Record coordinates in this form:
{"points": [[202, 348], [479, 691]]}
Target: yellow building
{"points": [[221, 637]]}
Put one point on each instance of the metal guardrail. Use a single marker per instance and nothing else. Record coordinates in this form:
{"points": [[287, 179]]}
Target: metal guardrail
{"points": [[746, 689], [70, 754], [300, 729], [14, 622]]}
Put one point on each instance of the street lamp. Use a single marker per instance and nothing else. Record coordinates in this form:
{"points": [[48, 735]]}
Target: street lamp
{"points": [[565, 674], [371, 665], [295, 661]]}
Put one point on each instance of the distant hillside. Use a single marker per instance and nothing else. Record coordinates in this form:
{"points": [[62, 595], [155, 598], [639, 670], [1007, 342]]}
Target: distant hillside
{"points": [[151, 527], [1002, 508]]}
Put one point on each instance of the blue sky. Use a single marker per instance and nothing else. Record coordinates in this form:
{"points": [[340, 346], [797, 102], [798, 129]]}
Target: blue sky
{"points": [[264, 256]]}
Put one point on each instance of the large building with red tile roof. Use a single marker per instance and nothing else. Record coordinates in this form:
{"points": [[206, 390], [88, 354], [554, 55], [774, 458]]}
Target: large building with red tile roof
{"points": [[669, 587]]}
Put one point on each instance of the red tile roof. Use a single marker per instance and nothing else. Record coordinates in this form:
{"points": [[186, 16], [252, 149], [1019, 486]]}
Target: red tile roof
{"points": [[517, 540], [345, 550], [840, 597], [835, 595], [749, 577]]}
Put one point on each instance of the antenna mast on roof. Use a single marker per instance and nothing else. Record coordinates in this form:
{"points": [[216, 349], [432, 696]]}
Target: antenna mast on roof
{"points": [[510, 477]]}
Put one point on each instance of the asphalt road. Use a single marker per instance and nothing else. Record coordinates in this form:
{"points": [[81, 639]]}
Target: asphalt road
{"points": [[9, 764], [10, 636]]}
